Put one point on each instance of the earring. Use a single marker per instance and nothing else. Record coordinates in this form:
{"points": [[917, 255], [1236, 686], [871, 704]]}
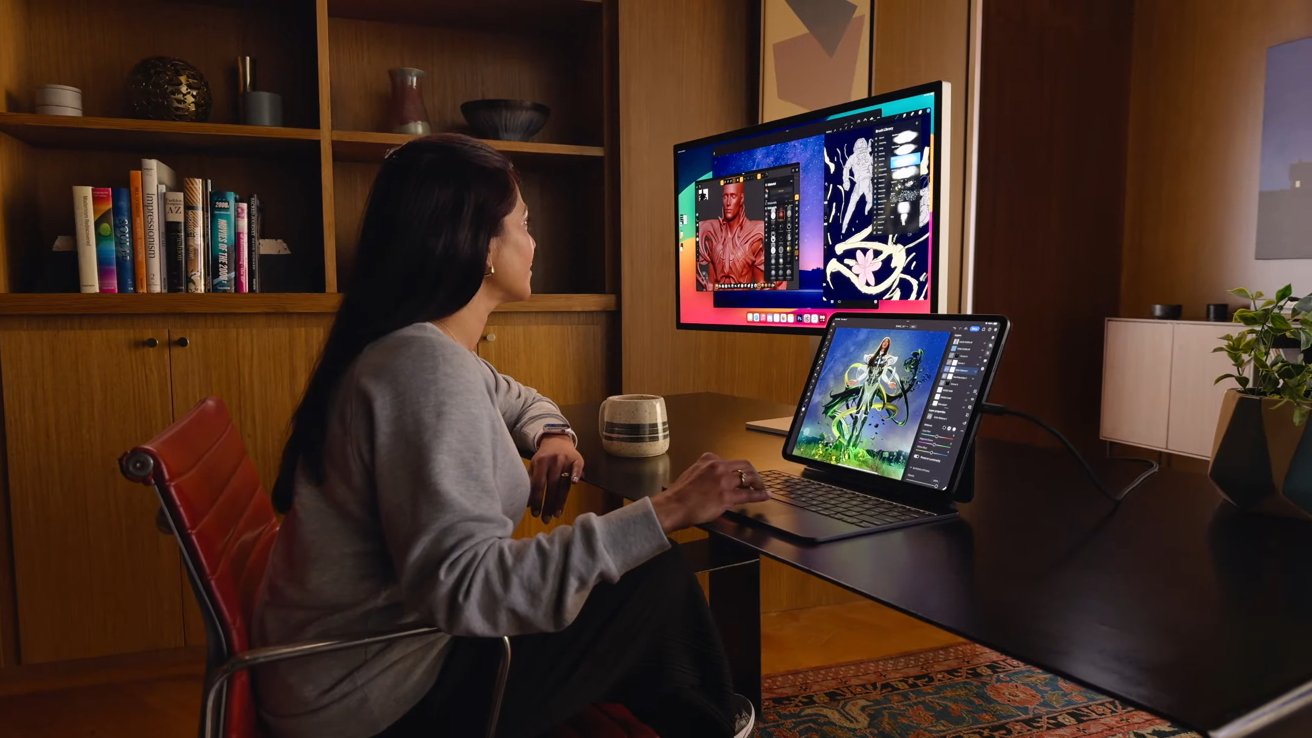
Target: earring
{"points": [[490, 271]]}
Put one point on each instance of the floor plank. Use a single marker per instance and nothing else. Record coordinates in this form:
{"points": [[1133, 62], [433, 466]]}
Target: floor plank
{"points": [[168, 705]]}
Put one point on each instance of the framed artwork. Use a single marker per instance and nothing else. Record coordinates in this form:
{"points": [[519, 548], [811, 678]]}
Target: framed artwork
{"points": [[814, 53], [1284, 198]]}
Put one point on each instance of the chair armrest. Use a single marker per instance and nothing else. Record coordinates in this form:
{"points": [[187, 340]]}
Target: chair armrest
{"points": [[285, 652]]}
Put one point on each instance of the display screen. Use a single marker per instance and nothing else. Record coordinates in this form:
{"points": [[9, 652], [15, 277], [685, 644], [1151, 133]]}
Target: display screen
{"points": [[783, 224]]}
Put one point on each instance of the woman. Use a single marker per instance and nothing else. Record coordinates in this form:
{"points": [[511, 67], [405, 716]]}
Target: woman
{"points": [[402, 482]]}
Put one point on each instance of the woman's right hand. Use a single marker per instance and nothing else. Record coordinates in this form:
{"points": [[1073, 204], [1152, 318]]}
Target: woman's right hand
{"points": [[705, 490]]}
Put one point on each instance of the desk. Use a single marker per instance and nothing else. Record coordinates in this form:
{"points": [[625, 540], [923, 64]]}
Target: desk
{"points": [[1173, 603]]}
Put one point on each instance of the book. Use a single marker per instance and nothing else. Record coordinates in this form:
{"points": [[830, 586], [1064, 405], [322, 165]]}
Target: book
{"points": [[102, 216], [206, 191], [121, 213], [138, 230], [175, 243], [254, 222], [240, 268], [84, 232], [192, 190], [156, 176], [222, 235]]}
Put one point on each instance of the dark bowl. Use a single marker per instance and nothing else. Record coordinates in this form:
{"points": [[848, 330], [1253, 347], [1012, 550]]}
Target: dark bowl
{"points": [[505, 120], [1167, 312]]}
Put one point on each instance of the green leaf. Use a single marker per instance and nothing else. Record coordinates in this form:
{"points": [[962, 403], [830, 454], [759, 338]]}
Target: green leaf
{"points": [[1283, 293], [1281, 323], [1304, 340], [1224, 377], [1304, 305], [1250, 317], [1241, 292], [1242, 380], [1300, 414]]}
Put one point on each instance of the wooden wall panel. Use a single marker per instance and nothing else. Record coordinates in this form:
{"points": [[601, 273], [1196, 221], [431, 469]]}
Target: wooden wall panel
{"points": [[662, 47], [918, 41], [13, 59], [1053, 105], [1194, 149]]}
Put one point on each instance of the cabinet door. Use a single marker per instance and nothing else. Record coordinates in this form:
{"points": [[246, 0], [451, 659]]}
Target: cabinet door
{"points": [[1136, 380], [93, 575], [260, 372], [568, 357], [1195, 399]]}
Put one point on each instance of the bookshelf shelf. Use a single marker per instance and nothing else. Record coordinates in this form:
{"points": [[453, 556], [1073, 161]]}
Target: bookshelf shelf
{"points": [[155, 135], [549, 14], [367, 146], [265, 303]]}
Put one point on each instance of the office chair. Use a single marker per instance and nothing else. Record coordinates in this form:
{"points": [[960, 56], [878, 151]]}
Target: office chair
{"points": [[212, 501]]}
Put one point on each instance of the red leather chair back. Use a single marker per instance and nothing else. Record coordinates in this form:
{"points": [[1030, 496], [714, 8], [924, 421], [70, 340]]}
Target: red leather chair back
{"points": [[225, 524]]}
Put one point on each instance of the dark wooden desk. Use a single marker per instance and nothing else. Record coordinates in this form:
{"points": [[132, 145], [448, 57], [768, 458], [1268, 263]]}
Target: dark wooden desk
{"points": [[1173, 602]]}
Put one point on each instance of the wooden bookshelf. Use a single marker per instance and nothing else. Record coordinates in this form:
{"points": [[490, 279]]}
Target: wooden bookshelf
{"points": [[85, 376]]}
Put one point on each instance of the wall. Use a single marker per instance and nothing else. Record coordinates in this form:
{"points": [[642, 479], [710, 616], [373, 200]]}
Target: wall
{"points": [[1195, 142], [664, 47], [1054, 88]]}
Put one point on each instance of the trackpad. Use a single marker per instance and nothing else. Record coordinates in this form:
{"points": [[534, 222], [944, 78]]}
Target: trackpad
{"points": [[793, 520]]}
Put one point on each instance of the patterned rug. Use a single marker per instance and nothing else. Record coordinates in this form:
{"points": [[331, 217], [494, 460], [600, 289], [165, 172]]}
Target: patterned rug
{"points": [[963, 691]]}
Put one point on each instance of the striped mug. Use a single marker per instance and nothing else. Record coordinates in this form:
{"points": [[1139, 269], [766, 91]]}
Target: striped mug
{"points": [[634, 425]]}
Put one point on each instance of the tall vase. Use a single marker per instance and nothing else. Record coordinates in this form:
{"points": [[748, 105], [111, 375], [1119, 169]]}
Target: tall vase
{"points": [[407, 113]]}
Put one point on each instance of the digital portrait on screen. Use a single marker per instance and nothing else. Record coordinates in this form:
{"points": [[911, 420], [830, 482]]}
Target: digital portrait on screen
{"points": [[870, 397], [783, 227]]}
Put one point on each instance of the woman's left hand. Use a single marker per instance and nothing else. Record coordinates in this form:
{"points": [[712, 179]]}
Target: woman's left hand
{"points": [[554, 468]]}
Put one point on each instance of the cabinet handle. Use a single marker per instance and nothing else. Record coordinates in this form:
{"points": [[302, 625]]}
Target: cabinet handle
{"points": [[151, 342], [490, 338], [183, 342]]}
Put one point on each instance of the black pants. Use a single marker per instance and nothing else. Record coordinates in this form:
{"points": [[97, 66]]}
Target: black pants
{"points": [[646, 641]]}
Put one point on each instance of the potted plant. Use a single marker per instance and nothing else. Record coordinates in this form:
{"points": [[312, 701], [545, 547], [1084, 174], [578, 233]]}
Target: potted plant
{"points": [[1262, 455]]}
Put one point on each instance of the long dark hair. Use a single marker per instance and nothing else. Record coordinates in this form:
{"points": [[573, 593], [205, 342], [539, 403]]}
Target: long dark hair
{"points": [[434, 207]]}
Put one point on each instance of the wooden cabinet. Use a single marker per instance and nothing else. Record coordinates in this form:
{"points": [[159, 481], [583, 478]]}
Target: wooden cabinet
{"points": [[1158, 386], [93, 575]]}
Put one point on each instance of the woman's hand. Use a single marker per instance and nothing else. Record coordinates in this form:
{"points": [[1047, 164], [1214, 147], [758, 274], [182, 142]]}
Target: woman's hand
{"points": [[705, 490], [554, 468]]}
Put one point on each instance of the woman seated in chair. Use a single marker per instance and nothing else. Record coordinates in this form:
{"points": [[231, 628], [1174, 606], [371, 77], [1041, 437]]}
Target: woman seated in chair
{"points": [[402, 482]]}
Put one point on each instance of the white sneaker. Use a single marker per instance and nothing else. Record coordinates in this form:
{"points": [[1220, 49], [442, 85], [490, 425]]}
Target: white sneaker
{"points": [[744, 716]]}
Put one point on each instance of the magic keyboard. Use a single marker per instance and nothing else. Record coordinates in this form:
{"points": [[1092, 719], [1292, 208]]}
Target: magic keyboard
{"points": [[837, 502]]}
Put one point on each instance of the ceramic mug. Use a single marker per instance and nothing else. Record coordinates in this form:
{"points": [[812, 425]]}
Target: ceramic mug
{"points": [[634, 425]]}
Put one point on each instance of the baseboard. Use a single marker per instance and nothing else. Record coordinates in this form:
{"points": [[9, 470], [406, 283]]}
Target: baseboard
{"points": [[29, 678]]}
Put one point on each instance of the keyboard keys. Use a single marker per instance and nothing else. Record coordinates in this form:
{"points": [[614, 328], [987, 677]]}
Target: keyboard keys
{"points": [[837, 502]]}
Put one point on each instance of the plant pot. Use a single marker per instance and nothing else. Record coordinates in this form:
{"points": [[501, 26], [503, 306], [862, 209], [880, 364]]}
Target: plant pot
{"points": [[1261, 461]]}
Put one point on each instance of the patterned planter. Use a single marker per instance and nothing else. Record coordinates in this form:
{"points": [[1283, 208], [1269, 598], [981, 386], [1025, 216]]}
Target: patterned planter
{"points": [[1261, 461]]}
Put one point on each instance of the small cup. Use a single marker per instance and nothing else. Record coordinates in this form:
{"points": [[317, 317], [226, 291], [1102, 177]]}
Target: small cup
{"points": [[62, 96], [260, 108], [1218, 311], [635, 426], [58, 110]]}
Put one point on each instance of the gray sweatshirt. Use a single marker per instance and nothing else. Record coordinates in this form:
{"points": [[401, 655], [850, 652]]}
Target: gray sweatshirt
{"points": [[423, 486]]}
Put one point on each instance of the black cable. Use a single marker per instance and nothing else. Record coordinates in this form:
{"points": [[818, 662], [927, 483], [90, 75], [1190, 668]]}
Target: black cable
{"points": [[995, 409]]}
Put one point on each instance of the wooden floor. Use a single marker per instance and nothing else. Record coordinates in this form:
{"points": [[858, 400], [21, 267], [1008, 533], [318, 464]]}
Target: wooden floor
{"points": [[161, 706]]}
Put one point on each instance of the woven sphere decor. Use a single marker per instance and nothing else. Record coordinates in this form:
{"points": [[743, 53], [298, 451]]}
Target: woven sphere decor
{"points": [[163, 88]]}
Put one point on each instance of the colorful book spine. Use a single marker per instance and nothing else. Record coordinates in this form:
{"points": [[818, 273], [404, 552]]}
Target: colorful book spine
{"points": [[139, 266], [193, 233], [121, 212], [242, 270], [254, 221], [102, 215], [152, 216], [222, 237], [84, 230], [175, 242]]}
